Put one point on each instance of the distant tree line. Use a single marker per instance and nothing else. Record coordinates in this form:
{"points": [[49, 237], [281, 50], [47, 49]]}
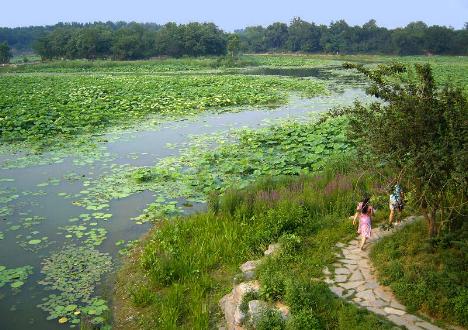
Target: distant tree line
{"points": [[123, 40], [339, 37], [131, 41]]}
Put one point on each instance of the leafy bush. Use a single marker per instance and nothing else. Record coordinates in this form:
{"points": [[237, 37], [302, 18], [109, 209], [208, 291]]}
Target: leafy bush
{"points": [[314, 296], [272, 282], [303, 320], [270, 319], [420, 130], [425, 278], [290, 243]]}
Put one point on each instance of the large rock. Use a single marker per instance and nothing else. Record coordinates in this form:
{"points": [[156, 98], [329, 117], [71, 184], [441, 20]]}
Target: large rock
{"points": [[230, 304], [240, 290], [249, 266], [283, 309], [239, 317], [272, 249]]}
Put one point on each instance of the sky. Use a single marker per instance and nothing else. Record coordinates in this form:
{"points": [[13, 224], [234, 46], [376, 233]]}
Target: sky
{"points": [[235, 14]]}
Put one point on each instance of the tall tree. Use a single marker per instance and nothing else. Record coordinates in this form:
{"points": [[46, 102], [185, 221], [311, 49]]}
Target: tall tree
{"points": [[410, 40], [233, 45], [303, 36], [5, 53], [373, 39], [131, 40], [169, 40], [420, 130], [128, 43], [276, 35], [439, 40], [252, 39], [336, 38]]}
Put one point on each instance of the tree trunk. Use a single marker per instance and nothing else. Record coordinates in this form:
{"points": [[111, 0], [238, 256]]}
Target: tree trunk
{"points": [[430, 216]]}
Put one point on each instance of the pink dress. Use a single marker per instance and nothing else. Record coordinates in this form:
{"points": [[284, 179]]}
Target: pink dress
{"points": [[365, 228]]}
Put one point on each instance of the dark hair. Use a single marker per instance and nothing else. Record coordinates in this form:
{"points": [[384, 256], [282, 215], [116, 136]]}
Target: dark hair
{"points": [[365, 205]]}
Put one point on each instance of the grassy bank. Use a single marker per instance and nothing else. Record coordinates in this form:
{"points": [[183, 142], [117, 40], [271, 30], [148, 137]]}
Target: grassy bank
{"points": [[178, 273], [425, 277]]}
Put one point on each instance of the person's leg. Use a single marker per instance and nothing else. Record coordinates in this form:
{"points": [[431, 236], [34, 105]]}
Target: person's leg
{"points": [[363, 240], [392, 214]]}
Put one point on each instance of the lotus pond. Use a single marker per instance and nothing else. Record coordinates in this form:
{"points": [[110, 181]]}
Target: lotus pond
{"points": [[89, 160]]}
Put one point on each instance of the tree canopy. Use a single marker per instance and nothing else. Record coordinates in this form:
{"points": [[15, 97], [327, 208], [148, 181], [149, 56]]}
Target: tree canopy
{"points": [[5, 53], [420, 130], [121, 40]]}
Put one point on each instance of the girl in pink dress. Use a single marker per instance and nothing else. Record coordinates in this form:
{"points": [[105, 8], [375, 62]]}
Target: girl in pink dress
{"points": [[364, 211]]}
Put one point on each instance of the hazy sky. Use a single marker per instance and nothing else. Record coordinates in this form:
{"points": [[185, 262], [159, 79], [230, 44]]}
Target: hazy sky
{"points": [[235, 14]]}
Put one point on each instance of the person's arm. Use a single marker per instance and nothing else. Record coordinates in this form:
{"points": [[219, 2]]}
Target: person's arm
{"points": [[358, 209], [355, 217]]}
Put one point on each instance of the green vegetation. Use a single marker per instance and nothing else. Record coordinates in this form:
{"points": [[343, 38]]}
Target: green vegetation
{"points": [[288, 148], [177, 275], [420, 131], [14, 276], [184, 266], [73, 273], [136, 41], [163, 65], [426, 278], [5, 53], [45, 110]]}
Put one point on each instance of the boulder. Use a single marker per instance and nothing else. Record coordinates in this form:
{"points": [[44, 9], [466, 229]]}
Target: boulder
{"points": [[283, 309], [250, 265], [272, 249]]}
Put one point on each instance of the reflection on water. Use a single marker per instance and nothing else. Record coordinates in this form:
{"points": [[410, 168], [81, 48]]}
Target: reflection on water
{"points": [[41, 194]]}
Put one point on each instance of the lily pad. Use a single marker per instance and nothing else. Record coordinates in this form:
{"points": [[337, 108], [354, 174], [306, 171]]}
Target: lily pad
{"points": [[63, 320], [70, 308], [16, 284]]}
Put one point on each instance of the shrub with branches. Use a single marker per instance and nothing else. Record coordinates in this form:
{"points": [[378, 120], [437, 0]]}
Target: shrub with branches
{"points": [[420, 129]]}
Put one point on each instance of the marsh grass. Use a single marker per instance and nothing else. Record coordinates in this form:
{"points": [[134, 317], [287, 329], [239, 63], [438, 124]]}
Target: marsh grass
{"points": [[428, 278], [189, 262]]}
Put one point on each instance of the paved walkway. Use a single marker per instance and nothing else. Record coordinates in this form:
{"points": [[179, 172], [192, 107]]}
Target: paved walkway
{"points": [[353, 279]]}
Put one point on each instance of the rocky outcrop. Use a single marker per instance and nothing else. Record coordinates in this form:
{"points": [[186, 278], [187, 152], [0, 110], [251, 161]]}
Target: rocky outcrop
{"points": [[230, 304]]}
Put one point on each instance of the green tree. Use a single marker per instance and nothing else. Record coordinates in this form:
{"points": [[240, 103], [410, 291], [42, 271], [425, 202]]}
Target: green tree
{"points": [[439, 40], [128, 42], [422, 132], [337, 37], [410, 40], [276, 35], [372, 39], [253, 39], [233, 45], [169, 40], [5, 53], [303, 36]]}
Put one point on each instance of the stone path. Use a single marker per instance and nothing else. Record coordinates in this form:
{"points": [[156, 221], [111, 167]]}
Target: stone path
{"points": [[353, 279]]}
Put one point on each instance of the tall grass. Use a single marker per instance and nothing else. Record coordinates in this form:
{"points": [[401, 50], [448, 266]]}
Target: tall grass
{"points": [[188, 263], [426, 277]]}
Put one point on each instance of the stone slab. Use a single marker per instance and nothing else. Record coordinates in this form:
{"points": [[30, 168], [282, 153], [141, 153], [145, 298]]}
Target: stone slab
{"points": [[391, 310]]}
